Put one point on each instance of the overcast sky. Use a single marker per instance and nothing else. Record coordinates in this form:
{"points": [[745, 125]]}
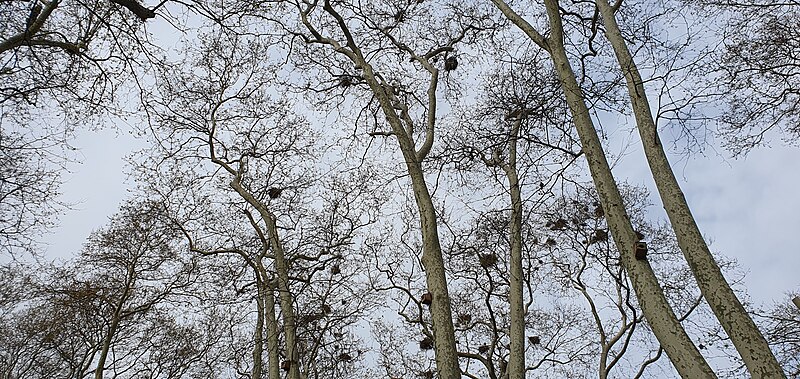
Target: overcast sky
{"points": [[747, 208]]}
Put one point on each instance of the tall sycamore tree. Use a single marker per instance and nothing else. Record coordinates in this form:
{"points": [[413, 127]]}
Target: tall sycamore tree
{"points": [[665, 325], [748, 340]]}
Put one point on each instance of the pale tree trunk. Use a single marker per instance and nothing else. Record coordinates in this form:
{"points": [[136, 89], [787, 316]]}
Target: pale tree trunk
{"points": [[285, 297], [403, 129], [266, 319], [281, 265], [282, 268], [266, 312], [670, 333], [272, 337], [258, 334], [273, 350], [745, 336], [441, 313], [516, 358]]}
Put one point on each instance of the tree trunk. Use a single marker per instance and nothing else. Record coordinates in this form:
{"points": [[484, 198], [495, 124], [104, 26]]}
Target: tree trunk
{"points": [[282, 269], [670, 333], [744, 334], [266, 318], [516, 359], [116, 317], [258, 334], [268, 302], [101, 362], [285, 298], [441, 314]]}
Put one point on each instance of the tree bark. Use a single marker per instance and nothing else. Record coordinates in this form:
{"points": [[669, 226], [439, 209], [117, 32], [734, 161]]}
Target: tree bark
{"points": [[516, 359], [101, 361], [258, 334], [258, 337], [744, 334], [268, 301], [285, 298], [282, 269], [441, 313], [670, 333], [32, 28], [116, 317], [266, 319]]}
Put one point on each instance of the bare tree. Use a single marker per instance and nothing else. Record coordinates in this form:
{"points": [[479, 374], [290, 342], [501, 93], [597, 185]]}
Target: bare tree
{"points": [[73, 321], [726, 306], [677, 344], [137, 265], [58, 332], [50, 337], [782, 326], [519, 129], [226, 146], [28, 186], [329, 167], [755, 70], [62, 64], [408, 104], [584, 257]]}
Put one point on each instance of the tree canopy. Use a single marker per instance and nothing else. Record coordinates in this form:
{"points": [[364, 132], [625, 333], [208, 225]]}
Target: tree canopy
{"points": [[408, 188]]}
